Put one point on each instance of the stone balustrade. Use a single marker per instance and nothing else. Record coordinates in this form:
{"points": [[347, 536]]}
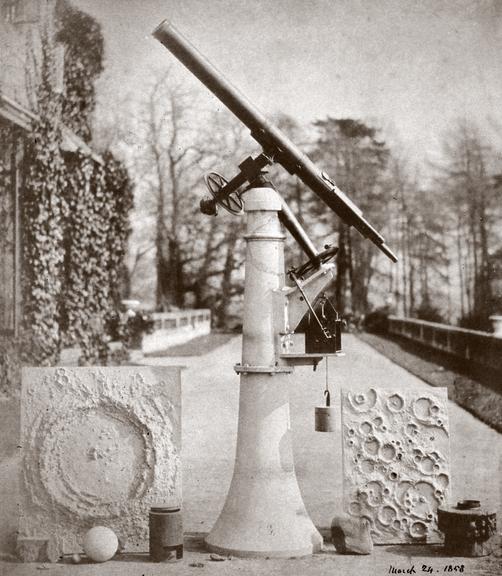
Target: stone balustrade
{"points": [[171, 328], [482, 348]]}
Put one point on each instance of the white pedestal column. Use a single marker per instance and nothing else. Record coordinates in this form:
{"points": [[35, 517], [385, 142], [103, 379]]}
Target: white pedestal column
{"points": [[264, 514]]}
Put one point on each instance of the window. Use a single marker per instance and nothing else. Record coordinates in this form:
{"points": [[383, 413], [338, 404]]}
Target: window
{"points": [[21, 11], [9, 230], [12, 11]]}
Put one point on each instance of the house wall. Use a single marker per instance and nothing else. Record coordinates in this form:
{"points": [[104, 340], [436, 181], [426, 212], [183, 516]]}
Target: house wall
{"points": [[20, 24]]}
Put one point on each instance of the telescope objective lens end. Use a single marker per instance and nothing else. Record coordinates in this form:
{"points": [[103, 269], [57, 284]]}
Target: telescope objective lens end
{"points": [[388, 252]]}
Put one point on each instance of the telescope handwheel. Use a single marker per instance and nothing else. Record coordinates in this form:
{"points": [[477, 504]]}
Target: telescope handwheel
{"points": [[215, 182], [323, 257]]}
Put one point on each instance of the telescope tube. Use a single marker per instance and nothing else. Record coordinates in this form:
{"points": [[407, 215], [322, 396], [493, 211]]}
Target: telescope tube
{"points": [[272, 140]]}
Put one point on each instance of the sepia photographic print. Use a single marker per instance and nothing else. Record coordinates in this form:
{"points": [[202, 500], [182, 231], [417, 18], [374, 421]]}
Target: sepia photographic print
{"points": [[250, 287]]}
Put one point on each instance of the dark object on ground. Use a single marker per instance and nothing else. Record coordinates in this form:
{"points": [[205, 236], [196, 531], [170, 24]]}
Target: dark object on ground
{"points": [[196, 565], [196, 347], [217, 558], [468, 529], [33, 549], [351, 535], [166, 534], [438, 369], [138, 325]]}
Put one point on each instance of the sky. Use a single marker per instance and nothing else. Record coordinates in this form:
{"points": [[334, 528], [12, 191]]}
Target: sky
{"points": [[410, 67]]}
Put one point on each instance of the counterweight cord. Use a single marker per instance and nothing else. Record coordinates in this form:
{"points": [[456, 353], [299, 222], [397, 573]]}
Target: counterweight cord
{"points": [[326, 391]]}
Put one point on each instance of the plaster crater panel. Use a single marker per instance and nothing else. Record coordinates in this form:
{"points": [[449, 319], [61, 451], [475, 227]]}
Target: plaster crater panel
{"points": [[396, 461], [99, 446]]}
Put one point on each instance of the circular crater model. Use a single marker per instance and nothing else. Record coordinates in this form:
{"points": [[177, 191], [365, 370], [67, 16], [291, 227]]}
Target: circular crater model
{"points": [[94, 461], [387, 515], [442, 480], [426, 465], [374, 493], [362, 401], [100, 455], [422, 408], [412, 429], [378, 421], [418, 530], [424, 501], [371, 446], [427, 411], [402, 492], [395, 403], [367, 466], [387, 452], [366, 428]]}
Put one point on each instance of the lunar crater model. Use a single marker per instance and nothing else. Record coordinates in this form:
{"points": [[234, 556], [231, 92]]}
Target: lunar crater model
{"points": [[100, 446], [396, 461]]}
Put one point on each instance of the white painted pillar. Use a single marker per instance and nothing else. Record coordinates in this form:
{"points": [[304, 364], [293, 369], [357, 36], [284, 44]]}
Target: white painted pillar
{"points": [[264, 514]]}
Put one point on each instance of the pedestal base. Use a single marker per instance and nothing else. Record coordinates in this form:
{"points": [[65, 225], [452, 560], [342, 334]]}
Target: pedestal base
{"points": [[269, 520], [264, 514]]}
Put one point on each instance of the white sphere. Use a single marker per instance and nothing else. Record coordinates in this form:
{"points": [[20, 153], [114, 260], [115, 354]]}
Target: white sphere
{"points": [[100, 544]]}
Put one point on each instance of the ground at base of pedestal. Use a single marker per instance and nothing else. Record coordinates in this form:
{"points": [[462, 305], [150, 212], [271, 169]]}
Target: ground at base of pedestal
{"points": [[261, 554], [422, 559]]}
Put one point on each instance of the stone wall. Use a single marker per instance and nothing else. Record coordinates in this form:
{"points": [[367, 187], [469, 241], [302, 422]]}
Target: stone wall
{"points": [[172, 328], [481, 348]]}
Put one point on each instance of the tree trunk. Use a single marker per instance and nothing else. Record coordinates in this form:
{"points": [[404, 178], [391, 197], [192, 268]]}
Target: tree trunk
{"points": [[341, 270], [226, 280], [460, 269]]}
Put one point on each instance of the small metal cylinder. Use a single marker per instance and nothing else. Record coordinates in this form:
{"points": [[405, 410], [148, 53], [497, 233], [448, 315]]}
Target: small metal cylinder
{"points": [[166, 534], [324, 419]]}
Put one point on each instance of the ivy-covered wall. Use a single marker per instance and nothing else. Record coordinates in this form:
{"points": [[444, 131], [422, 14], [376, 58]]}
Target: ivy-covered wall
{"points": [[43, 205], [75, 211], [97, 202]]}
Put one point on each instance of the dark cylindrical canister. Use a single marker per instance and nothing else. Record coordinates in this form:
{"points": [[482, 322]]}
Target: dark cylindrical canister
{"points": [[324, 419], [325, 415], [469, 529], [166, 534]]}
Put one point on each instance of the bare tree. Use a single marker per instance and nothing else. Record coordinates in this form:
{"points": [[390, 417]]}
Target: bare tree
{"points": [[196, 256], [165, 167], [468, 181]]}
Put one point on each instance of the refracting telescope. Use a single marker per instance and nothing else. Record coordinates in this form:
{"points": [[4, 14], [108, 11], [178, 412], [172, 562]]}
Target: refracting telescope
{"points": [[276, 148], [283, 327]]}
